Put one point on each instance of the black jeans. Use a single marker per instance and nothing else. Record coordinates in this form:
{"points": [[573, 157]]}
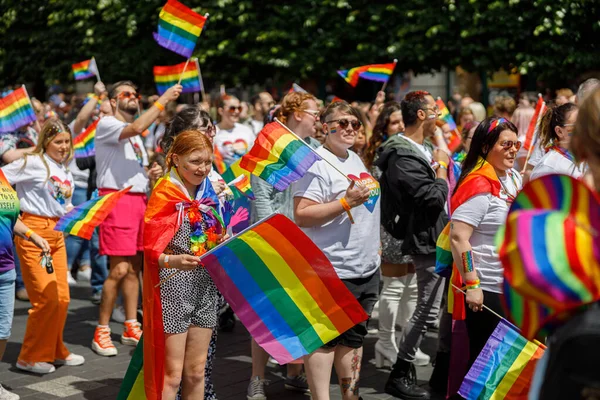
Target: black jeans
{"points": [[481, 324]]}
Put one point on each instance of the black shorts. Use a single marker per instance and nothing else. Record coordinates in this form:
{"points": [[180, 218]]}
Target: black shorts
{"points": [[366, 291]]}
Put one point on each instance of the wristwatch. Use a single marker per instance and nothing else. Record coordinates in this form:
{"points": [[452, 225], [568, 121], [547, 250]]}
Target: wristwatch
{"points": [[167, 261]]}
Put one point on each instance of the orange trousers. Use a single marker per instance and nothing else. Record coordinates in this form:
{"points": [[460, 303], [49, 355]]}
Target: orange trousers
{"points": [[48, 293]]}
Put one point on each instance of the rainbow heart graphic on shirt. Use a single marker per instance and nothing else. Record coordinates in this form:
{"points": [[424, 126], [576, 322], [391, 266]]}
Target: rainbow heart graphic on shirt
{"points": [[60, 190], [367, 180]]}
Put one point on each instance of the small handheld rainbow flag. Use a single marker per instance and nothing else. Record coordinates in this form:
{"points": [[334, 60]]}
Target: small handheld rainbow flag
{"points": [[179, 28], [373, 72], [297, 88], [283, 289], [447, 118], [534, 124], [233, 174], [83, 219], [278, 156], [86, 69], [167, 76], [218, 161], [504, 368], [83, 144], [15, 110], [242, 184]]}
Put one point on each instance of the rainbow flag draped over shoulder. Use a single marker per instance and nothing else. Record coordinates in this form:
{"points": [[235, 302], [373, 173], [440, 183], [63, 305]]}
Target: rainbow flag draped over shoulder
{"points": [[83, 219], [278, 156], [179, 28], [504, 368], [447, 118], [167, 76], [83, 144], [283, 289], [85, 69], [15, 110], [373, 72]]}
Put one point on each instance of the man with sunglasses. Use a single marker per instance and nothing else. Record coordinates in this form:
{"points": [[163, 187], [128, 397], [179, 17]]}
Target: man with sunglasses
{"points": [[414, 191], [121, 161], [261, 104]]}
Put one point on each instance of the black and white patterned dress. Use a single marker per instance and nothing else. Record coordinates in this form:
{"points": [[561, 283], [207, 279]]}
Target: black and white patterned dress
{"points": [[190, 297]]}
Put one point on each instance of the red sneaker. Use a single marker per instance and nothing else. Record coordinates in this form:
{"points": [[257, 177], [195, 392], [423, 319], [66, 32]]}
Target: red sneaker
{"points": [[102, 343], [131, 333]]}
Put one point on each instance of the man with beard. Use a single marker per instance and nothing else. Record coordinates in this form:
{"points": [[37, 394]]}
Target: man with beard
{"points": [[120, 160]]}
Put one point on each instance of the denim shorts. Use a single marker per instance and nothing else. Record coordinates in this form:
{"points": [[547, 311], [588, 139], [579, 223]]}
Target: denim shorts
{"points": [[7, 302]]}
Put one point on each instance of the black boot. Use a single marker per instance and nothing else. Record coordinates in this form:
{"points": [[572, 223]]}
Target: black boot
{"points": [[439, 377], [402, 382]]}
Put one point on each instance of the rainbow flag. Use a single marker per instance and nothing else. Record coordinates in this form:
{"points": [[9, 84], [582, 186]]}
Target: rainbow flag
{"points": [[167, 76], [233, 174], [218, 161], [504, 368], [297, 88], [83, 144], [15, 110], [278, 156], [373, 72], [179, 28], [242, 184], [534, 124], [132, 387], [83, 219], [85, 69], [283, 289], [447, 118]]}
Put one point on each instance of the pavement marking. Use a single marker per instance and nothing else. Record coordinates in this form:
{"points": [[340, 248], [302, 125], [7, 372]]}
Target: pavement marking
{"points": [[65, 386]]}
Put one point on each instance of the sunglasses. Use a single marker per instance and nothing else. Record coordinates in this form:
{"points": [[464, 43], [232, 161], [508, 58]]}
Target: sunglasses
{"points": [[233, 109], [209, 130], [508, 144], [314, 113], [129, 95], [343, 123]]}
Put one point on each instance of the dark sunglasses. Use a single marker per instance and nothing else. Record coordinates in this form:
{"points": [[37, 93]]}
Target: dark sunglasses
{"points": [[129, 95], [343, 123], [209, 130], [508, 144], [233, 109]]}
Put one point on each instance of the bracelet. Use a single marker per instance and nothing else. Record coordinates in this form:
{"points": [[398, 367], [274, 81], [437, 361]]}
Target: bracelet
{"points": [[347, 208], [29, 233], [471, 287], [473, 282], [443, 164], [159, 106], [166, 261]]}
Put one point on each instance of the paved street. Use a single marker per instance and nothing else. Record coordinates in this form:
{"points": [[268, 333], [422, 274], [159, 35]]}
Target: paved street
{"points": [[100, 377]]}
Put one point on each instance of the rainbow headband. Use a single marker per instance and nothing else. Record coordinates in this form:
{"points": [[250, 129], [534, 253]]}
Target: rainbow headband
{"points": [[495, 124]]}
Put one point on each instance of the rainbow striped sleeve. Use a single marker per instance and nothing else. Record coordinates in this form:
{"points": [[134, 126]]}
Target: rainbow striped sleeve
{"points": [[167, 76], [15, 111], [179, 28]]}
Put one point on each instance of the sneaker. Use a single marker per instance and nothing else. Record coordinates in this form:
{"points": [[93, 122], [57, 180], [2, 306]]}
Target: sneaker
{"points": [[102, 343], [84, 274], [70, 279], [256, 389], [297, 383], [131, 333], [96, 298], [118, 315], [22, 295], [37, 368], [421, 359], [72, 361], [273, 361], [6, 395]]}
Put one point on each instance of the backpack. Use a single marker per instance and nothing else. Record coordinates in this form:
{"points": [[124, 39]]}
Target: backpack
{"points": [[573, 369]]}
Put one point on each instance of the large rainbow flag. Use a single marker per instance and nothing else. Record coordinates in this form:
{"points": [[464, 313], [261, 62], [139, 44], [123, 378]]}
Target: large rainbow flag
{"points": [[278, 156], [167, 76], [447, 118], [504, 368], [179, 28], [83, 144], [86, 69], [372, 72], [15, 110], [83, 219]]}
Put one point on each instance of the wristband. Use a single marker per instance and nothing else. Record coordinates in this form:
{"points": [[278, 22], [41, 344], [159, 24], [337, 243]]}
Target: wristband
{"points": [[472, 287], [166, 261], [159, 106], [443, 164], [347, 208], [28, 234]]}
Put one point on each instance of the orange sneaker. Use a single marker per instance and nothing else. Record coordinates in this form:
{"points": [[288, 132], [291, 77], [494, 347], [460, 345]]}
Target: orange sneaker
{"points": [[102, 343], [131, 333]]}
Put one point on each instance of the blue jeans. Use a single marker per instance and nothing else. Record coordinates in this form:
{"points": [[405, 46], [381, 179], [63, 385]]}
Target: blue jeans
{"points": [[99, 264], [78, 248], [7, 302], [19, 281]]}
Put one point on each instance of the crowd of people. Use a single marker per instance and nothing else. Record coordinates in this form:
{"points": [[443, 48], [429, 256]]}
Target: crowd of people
{"points": [[378, 224]]}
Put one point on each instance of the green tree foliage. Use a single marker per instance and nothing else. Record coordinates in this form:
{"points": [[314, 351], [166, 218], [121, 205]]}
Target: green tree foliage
{"points": [[254, 41]]}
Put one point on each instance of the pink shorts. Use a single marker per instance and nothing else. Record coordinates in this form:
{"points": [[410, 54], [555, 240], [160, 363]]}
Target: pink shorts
{"points": [[122, 232]]}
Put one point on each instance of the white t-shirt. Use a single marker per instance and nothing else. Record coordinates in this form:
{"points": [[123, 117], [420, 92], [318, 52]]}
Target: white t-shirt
{"points": [[555, 163], [234, 143], [256, 126], [487, 213], [120, 163], [80, 176], [40, 193], [353, 249], [422, 148]]}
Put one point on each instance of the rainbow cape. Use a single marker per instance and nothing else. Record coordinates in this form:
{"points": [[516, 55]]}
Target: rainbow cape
{"points": [[83, 219], [550, 252], [179, 28], [85, 69], [504, 368], [167, 76], [283, 289], [278, 156], [445, 116], [534, 124], [373, 72], [15, 110], [83, 144]]}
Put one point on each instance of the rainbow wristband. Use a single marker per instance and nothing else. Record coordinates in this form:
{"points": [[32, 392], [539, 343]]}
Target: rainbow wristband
{"points": [[28, 234]]}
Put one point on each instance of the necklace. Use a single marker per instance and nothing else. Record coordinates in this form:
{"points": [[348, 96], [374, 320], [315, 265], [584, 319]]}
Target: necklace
{"points": [[505, 190]]}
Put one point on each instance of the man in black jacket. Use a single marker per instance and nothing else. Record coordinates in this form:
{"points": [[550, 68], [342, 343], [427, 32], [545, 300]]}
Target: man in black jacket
{"points": [[414, 193]]}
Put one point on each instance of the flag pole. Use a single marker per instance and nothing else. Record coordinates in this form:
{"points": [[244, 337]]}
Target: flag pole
{"points": [[37, 122], [201, 81], [386, 82], [97, 71], [183, 72], [533, 143]]}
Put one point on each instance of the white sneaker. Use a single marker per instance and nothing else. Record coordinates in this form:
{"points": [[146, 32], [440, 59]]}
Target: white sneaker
{"points": [[6, 395], [38, 368], [84, 275], [421, 359], [118, 315], [70, 279], [72, 360]]}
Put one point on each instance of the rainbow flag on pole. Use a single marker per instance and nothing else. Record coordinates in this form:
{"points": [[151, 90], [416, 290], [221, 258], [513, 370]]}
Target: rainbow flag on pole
{"points": [[83, 219], [373, 72], [167, 76], [447, 118], [534, 124], [278, 156], [86, 69], [15, 110], [179, 28], [504, 368], [83, 144], [232, 176], [242, 184]]}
